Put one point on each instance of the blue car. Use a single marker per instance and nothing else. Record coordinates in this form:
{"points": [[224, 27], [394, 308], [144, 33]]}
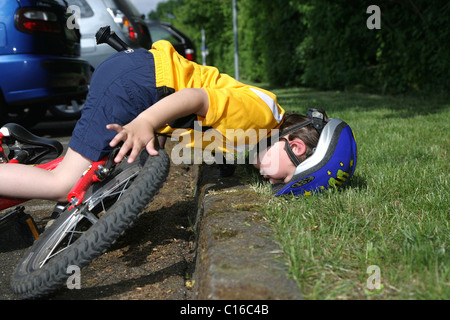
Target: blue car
{"points": [[40, 61]]}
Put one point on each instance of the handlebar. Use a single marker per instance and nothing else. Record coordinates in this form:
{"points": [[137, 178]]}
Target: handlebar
{"points": [[105, 35]]}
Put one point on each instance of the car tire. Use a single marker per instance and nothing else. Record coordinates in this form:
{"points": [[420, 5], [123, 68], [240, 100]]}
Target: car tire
{"points": [[70, 111]]}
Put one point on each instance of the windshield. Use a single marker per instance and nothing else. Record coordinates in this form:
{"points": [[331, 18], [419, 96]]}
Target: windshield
{"points": [[128, 8]]}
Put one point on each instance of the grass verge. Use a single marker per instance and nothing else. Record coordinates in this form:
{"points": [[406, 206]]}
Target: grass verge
{"points": [[386, 235]]}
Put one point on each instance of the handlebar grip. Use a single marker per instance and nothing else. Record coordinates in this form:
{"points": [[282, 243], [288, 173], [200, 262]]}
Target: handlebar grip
{"points": [[105, 35]]}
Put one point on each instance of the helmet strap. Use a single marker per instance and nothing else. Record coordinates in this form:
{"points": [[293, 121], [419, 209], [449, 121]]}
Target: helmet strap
{"points": [[316, 119], [291, 153]]}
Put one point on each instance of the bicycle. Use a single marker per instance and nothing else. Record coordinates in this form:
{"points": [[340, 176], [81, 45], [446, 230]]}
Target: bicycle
{"points": [[103, 204]]}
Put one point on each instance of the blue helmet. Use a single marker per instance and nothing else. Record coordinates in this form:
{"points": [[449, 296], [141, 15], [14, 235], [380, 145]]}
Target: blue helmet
{"points": [[331, 165]]}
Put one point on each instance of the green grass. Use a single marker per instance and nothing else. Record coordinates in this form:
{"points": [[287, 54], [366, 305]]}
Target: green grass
{"points": [[395, 212]]}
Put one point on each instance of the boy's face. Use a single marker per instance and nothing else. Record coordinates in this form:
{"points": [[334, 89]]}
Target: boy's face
{"points": [[274, 163]]}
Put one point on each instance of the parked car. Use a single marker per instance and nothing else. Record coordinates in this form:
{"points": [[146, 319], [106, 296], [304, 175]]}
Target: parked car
{"points": [[123, 18], [165, 31], [39, 60]]}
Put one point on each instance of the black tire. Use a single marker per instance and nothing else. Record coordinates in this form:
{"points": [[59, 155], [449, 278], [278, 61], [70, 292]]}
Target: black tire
{"points": [[67, 111], [36, 277]]}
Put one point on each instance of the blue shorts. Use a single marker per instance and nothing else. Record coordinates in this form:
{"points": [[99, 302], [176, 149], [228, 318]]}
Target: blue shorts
{"points": [[121, 88]]}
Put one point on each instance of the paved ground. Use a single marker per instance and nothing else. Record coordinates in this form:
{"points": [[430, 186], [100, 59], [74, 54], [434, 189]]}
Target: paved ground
{"points": [[151, 261], [203, 237]]}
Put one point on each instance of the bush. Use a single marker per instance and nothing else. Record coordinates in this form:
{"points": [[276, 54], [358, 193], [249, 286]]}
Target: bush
{"points": [[324, 43]]}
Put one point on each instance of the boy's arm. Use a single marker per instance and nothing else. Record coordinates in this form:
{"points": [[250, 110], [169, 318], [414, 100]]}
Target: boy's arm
{"points": [[139, 133]]}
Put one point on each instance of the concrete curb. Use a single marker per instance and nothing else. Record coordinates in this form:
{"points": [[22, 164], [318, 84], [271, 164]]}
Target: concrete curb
{"points": [[236, 256]]}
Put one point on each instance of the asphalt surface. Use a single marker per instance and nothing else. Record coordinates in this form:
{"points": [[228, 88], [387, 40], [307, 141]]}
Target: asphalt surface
{"points": [[149, 262], [233, 255]]}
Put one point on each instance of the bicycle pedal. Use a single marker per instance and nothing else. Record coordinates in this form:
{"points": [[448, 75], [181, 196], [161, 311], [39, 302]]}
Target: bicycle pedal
{"points": [[17, 230]]}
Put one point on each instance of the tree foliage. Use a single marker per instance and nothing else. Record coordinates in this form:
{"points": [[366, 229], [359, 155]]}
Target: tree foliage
{"points": [[324, 43]]}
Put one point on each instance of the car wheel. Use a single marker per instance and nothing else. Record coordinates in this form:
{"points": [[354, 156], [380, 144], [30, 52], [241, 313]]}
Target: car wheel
{"points": [[70, 111]]}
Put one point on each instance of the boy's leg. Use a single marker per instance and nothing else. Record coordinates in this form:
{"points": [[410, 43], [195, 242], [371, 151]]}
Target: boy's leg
{"points": [[23, 181]]}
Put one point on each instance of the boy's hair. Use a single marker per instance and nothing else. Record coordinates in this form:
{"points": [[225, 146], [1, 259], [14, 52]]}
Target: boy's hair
{"points": [[307, 134]]}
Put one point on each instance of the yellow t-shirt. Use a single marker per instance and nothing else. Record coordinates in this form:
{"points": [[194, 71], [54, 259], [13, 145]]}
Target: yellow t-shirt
{"points": [[240, 113]]}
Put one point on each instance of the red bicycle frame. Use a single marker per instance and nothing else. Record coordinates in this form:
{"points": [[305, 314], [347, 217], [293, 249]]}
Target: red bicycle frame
{"points": [[76, 195]]}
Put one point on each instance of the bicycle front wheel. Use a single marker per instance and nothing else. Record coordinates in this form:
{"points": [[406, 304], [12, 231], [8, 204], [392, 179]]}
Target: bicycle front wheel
{"points": [[83, 233]]}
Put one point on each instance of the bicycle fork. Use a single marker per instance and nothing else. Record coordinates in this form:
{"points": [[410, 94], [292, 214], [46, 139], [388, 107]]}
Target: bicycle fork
{"points": [[96, 172]]}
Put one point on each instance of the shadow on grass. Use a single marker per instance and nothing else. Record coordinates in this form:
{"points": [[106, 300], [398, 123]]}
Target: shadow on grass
{"points": [[334, 102]]}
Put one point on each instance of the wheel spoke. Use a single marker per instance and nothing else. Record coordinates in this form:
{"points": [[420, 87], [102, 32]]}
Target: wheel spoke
{"points": [[71, 230], [114, 190], [75, 106], [68, 228]]}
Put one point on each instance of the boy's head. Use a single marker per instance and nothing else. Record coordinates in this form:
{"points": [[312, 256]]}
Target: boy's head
{"points": [[296, 143], [310, 154]]}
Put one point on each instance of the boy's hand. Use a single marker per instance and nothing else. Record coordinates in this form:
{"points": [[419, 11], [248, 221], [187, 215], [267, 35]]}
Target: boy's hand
{"points": [[135, 135], [140, 132]]}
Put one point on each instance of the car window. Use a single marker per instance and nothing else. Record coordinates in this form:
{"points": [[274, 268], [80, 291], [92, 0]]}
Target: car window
{"points": [[159, 33], [110, 4], [124, 6], [127, 7], [61, 2], [85, 9]]}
